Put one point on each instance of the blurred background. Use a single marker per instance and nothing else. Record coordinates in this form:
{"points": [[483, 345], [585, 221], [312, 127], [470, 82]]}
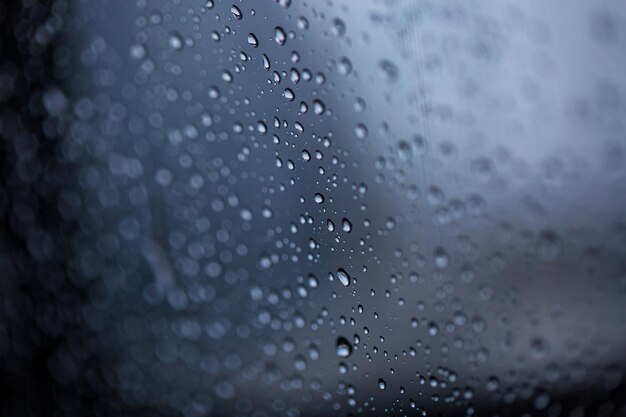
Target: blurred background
{"points": [[290, 208]]}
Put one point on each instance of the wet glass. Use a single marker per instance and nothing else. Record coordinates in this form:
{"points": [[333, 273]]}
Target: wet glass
{"points": [[289, 208]]}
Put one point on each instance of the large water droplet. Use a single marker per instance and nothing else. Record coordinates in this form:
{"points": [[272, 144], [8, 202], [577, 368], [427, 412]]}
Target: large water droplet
{"points": [[236, 12]]}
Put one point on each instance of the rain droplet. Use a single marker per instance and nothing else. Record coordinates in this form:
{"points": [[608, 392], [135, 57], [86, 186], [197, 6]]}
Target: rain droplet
{"points": [[381, 383], [361, 131], [175, 41], [227, 76], [345, 66], [339, 27], [266, 62], [279, 35], [389, 70], [318, 107], [343, 276], [343, 347], [303, 23], [288, 94], [441, 258], [252, 40], [236, 12]]}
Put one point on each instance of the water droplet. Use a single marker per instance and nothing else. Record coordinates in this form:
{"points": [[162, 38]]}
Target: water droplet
{"points": [[381, 383], [339, 27], [236, 12], [343, 348], [318, 107], [441, 258], [345, 66], [289, 94], [433, 329], [361, 131], [359, 105], [303, 23], [252, 40], [389, 70], [227, 76], [346, 226], [266, 62], [137, 51], [245, 214], [319, 198], [279, 35], [313, 281], [175, 41], [343, 277], [404, 151]]}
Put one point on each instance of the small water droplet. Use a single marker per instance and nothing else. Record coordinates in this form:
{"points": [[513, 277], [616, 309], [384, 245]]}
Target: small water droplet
{"points": [[175, 41], [343, 277], [303, 23], [289, 94], [252, 40], [361, 131], [266, 62], [227, 76], [381, 383], [339, 27], [279, 35], [389, 70], [318, 107], [343, 348]]}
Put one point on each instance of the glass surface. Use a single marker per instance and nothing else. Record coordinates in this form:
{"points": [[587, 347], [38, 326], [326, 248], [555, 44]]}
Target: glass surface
{"points": [[313, 208]]}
